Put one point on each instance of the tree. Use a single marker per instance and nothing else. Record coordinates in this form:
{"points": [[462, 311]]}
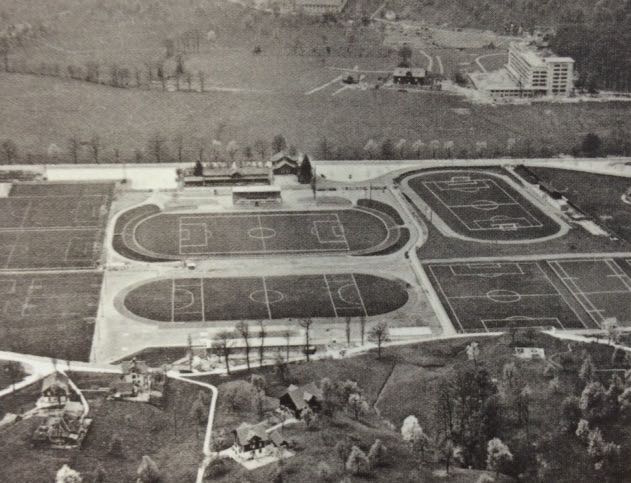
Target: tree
{"points": [[570, 413], [405, 54], [587, 371], [387, 149], [198, 170], [189, 351], [232, 148], [347, 328], [262, 334], [281, 368], [379, 334], [324, 149], [287, 336], [156, 147], [309, 418], [261, 148], [594, 402], [306, 325], [473, 351], [602, 453], [582, 430], [148, 471], [243, 328], [591, 145], [329, 401], [73, 148], [414, 436], [258, 382], [95, 148], [343, 450], [377, 455], [448, 452], [278, 144], [116, 446], [357, 463], [357, 405], [362, 328], [371, 148], [99, 474], [10, 150], [65, 474], [498, 456], [222, 346], [199, 412], [306, 172], [178, 144]]}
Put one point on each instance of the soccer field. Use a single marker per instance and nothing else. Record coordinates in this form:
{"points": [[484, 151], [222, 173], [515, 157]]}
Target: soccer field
{"points": [[265, 298], [53, 225], [174, 236], [481, 205], [49, 314]]}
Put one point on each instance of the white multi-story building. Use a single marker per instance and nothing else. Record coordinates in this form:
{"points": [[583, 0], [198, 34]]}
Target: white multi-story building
{"points": [[530, 72], [541, 74], [311, 7]]}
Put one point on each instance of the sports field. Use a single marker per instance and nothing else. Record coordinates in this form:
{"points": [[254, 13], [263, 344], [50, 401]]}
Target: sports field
{"points": [[52, 225], [488, 296], [261, 298], [49, 314], [177, 235], [481, 205]]}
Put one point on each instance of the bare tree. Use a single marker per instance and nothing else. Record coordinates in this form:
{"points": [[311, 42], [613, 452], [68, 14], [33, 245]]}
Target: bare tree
{"points": [[260, 147], [156, 147], [287, 335], [178, 144], [362, 327], [222, 346], [73, 148], [95, 148], [201, 76], [306, 324], [379, 334], [243, 328], [262, 334], [347, 322], [10, 151]]}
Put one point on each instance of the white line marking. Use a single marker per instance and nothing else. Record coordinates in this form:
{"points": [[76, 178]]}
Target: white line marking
{"points": [[361, 299], [328, 288], [269, 308], [324, 86]]}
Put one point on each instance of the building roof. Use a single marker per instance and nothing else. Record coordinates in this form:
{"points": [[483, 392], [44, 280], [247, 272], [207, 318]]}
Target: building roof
{"points": [[553, 59], [256, 189], [245, 432], [282, 155], [55, 380], [277, 438], [301, 395], [406, 71], [134, 366]]}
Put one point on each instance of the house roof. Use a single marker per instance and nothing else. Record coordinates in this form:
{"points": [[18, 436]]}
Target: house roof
{"points": [[300, 395], [56, 380], [277, 438], [283, 156], [122, 386], [245, 432]]}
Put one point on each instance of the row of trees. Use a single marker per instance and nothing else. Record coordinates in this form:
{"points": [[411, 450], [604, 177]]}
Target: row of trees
{"points": [[147, 472]]}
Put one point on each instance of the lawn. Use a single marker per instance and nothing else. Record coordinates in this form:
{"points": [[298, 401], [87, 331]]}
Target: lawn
{"points": [[160, 433], [599, 196]]}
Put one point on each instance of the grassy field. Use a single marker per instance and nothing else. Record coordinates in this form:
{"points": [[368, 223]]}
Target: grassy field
{"points": [[597, 195], [160, 433], [40, 111], [331, 295]]}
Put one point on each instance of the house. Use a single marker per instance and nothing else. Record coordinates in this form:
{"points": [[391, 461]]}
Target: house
{"points": [[122, 389], [55, 391], [284, 164], [408, 76], [138, 382], [298, 398], [529, 352], [252, 441], [63, 430]]}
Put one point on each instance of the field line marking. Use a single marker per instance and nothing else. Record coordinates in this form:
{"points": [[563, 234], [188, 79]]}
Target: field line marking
{"points": [[328, 289], [619, 273], [440, 287], [578, 317], [267, 304], [342, 231], [361, 298], [25, 215], [521, 206], [324, 86], [262, 241], [27, 299]]}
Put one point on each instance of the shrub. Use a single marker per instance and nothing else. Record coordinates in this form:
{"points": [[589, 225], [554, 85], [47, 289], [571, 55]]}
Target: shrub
{"points": [[217, 467], [148, 471], [325, 473], [357, 463], [116, 447], [67, 475], [377, 456]]}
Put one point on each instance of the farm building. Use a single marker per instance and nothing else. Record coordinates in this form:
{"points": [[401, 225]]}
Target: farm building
{"points": [[298, 398], [253, 441], [409, 76]]}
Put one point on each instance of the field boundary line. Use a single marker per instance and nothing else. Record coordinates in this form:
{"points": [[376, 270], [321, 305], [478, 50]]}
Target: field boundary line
{"points": [[267, 304], [440, 287], [328, 289], [359, 293]]}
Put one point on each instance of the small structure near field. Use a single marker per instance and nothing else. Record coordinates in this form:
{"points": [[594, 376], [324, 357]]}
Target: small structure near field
{"points": [[298, 398], [138, 383], [409, 76], [256, 195], [529, 353], [285, 164], [55, 392]]}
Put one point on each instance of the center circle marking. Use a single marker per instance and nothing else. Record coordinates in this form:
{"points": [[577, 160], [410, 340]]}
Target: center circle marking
{"points": [[485, 205], [263, 297], [261, 233], [503, 296]]}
